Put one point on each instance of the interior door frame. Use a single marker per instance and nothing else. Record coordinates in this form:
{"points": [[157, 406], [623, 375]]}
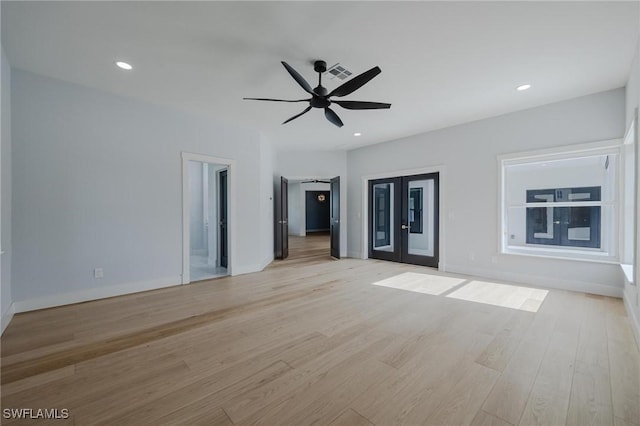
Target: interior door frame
{"points": [[186, 218], [364, 218], [343, 206]]}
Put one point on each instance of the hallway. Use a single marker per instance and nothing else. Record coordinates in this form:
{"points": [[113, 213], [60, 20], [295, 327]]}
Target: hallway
{"points": [[314, 245]]}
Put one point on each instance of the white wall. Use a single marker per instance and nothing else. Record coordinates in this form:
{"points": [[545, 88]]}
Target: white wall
{"points": [[632, 89], [318, 165], [196, 207], [212, 230], [296, 220], [631, 293], [5, 201], [97, 183], [265, 219], [469, 185]]}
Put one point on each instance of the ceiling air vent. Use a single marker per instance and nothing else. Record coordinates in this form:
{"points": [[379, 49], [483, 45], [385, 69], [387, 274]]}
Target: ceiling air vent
{"points": [[338, 71]]}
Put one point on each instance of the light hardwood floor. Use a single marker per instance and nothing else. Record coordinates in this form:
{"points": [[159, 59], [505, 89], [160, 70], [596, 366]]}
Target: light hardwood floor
{"points": [[315, 340], [312, 248]]}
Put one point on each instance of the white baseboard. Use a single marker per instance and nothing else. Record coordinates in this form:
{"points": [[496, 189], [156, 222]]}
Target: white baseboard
{"points": [[249, 269], [266, 262], [94, 294], [6, 317], [633, 316], [538, 281]]}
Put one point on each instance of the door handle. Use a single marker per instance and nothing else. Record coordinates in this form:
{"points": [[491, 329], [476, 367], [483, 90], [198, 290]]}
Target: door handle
{"points": [[405, 227]]}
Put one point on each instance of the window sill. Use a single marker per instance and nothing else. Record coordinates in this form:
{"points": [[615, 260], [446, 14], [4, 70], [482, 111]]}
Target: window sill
{"points": [[528, 253]]}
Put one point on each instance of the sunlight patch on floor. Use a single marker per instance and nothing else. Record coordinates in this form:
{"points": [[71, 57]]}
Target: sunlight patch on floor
{"points": [[421, 283], [505, 295]]}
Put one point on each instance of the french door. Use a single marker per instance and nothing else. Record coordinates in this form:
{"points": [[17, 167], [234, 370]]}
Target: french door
{"points": [[404, 219]]}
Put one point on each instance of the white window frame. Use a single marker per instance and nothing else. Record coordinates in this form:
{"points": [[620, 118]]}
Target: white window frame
{"points": [[611, 147]]}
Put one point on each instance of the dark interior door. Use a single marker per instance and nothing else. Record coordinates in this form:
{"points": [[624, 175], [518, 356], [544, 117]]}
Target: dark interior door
{"points": [[419, 229], [404, 219], [384, 219], [224, 243], [284, 189], [334, 227], [282, 220]]}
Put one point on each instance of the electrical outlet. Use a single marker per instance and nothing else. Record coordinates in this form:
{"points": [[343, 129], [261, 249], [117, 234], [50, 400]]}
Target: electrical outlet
{"points": [[98, 273]]}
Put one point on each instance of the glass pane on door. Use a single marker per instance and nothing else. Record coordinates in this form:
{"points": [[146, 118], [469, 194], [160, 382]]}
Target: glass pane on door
{"points": [[421, 217], [382, 223]]}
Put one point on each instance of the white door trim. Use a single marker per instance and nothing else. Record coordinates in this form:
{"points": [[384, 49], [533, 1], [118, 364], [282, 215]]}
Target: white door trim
{"points": [[186, 219], [440, 169]]}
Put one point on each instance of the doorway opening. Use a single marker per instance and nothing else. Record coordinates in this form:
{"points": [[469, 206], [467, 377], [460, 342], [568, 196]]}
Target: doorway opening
{"points": [[206, 208], [308, 219]]}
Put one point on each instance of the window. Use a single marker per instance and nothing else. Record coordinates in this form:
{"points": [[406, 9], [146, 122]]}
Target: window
{"points": [[415, 210], [574, 225], [383, 216], [562, 204]]}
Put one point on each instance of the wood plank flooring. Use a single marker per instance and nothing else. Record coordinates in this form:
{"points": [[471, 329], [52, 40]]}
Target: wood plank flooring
{"points": [[312, 340]]}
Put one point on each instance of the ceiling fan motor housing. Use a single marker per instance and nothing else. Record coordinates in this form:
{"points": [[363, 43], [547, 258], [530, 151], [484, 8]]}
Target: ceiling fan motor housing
{"points": [[319, 101], [320, 66]]}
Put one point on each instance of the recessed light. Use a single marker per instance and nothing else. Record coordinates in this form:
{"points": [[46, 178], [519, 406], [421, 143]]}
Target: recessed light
{"points": [[124, 65], [357, 134], [523, 87]]}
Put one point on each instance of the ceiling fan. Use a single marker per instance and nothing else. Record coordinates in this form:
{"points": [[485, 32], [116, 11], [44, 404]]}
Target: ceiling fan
{"points": [[320, 96]]}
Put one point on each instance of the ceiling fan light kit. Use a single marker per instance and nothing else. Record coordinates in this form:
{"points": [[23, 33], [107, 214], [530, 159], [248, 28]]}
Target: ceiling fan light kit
{"points": [[320, 97]]}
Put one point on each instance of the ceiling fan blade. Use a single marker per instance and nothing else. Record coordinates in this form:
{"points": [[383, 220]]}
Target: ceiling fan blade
{"points": [[297, 77], [355, 83], [332, 117], [275, 100], [362, 105], [298, 115]]}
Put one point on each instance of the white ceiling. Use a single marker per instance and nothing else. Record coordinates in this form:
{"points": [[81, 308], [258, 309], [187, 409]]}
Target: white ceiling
{"points": [[443, 63]]}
